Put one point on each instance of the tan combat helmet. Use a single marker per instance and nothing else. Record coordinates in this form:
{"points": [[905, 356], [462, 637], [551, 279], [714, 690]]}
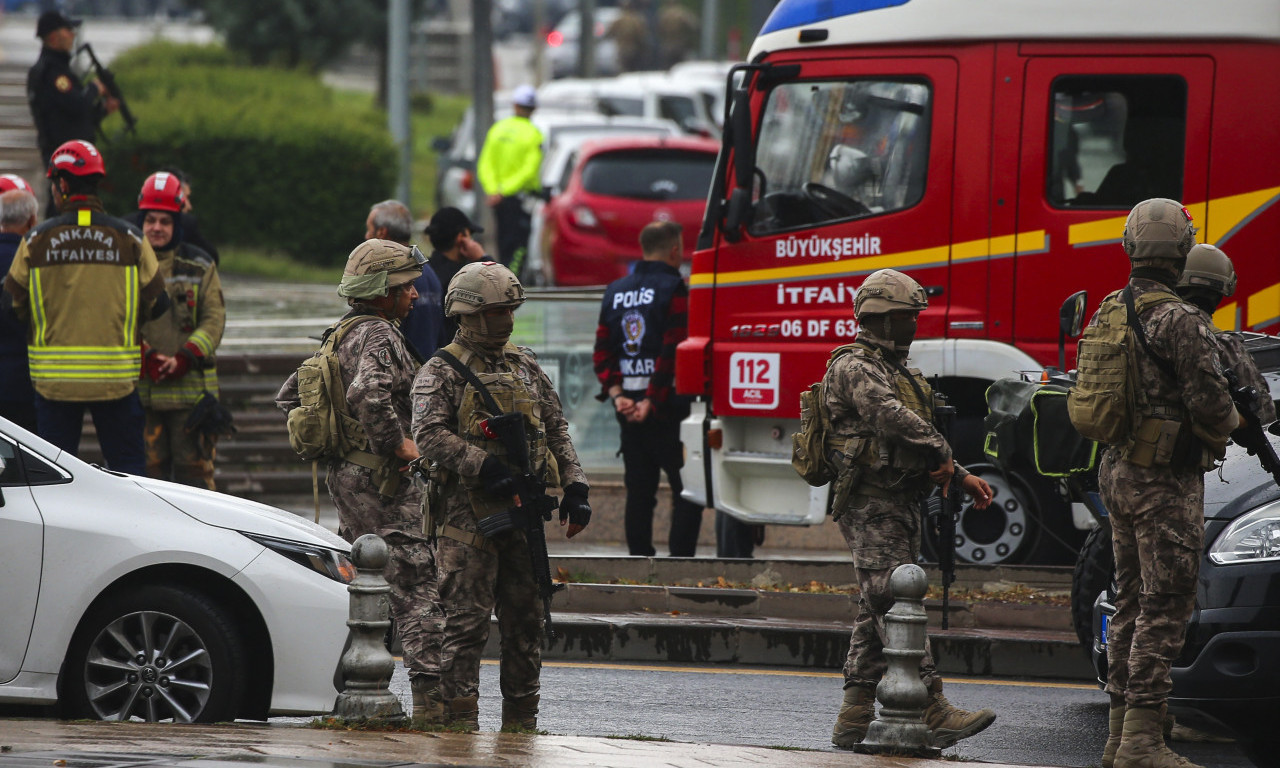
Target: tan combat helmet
{"points": [[377, 266], [482, 285], [1158, 229], [887, 290], [1208, 267]]}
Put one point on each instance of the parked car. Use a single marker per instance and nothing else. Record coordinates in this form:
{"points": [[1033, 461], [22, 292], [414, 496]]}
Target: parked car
{"points": [[616, 188], [690, 103], [563, 42], [130, 598]]}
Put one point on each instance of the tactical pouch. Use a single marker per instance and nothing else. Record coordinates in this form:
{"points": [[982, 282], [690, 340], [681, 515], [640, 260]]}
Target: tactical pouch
{"points": [[847, 482], [1156, 443]]}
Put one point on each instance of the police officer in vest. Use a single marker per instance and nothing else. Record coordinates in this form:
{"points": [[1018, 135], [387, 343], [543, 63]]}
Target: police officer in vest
{"points": [[368, 488], [508, 168], [474, 480], [62, 107], [84, 282], [1153, 482], [642, 318], [882, 413]]}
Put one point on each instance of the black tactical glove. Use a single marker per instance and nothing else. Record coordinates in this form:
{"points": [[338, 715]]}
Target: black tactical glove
{"points": [[495, 478], [1250, 441], [574, 506]]}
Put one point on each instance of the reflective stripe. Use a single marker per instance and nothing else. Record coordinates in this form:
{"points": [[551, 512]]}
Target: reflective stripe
{"points": [[131, 306], [84, 217], [202, 342], [39, 320], [105, 363]]}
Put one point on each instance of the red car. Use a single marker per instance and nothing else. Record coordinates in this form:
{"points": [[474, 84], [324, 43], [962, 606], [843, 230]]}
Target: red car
{"points": [[592, 229]]}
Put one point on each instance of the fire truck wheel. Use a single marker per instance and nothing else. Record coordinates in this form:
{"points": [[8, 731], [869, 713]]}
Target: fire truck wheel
{"points": [[1008, 531]]}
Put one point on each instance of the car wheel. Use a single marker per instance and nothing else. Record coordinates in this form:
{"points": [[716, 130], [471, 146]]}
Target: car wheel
{"points": [[157, 653], [1095, 568]]}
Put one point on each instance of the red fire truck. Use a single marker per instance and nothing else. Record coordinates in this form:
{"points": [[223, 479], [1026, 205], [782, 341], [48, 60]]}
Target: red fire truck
{"points": [[991, 149]]}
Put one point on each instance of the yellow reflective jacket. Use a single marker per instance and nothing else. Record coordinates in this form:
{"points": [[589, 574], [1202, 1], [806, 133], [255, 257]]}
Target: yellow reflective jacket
{"points": [[196, 316], [83, 281], [511, 157]]}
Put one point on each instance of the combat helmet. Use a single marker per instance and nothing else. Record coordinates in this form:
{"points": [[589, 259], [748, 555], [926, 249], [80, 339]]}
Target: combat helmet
{"points": [[886, 290], [377, 266], [482, 285], [1208, 267], [1158, 230]]}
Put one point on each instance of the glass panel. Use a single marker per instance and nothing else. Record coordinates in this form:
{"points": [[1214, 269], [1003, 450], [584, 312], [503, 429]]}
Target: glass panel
{"points": [[1115, 141], [839, 150], [618, 105], [12, 472], [650, 174]]}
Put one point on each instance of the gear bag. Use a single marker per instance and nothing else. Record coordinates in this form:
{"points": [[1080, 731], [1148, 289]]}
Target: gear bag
{"points": [[321, 427], [814, 455], [1101, 405]]}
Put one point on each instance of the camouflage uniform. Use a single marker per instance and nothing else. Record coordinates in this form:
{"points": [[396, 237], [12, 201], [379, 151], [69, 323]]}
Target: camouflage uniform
{"points": [[377, 372], [1157, 512], [1236, 358], [483, 576]]}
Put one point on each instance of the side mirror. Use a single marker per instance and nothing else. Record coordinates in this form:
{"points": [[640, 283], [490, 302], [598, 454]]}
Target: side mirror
{"points": [[1070, 323]]}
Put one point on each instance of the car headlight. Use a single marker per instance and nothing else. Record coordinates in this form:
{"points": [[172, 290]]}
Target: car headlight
{"points": [[1252, 538], [322, 560]]}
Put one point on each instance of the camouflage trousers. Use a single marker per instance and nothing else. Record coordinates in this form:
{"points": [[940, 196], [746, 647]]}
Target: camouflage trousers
{"points": [[1157, 524], [410, 569], [175, 454], [882, 534], [475, 583]]}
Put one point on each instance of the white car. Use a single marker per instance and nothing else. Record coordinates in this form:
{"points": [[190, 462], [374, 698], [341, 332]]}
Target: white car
{"points": [[129, 598]]}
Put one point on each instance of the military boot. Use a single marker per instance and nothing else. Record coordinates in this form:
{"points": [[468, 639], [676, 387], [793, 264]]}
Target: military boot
{"points": [[1142, 742], [856, 713], [428, 706], [520, 714], [1115, 725], [947, 724], [463, 713]]}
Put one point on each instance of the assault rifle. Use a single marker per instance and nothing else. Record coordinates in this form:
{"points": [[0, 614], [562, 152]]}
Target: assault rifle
{"points": [[943, 513], [1255, 437], [108, 79], [535, 505]]}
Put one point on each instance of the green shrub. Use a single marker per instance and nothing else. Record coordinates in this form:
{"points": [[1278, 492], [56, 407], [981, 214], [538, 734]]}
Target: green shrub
{"points": [[162, 54], [274, 164]]}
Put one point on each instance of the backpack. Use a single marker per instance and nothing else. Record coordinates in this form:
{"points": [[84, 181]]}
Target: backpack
{"points": [[1101, 405], [321, 427], [811, 456]]}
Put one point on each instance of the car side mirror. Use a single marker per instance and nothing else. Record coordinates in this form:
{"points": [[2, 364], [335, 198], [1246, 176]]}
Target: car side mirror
{"points": [[1070, 323]]}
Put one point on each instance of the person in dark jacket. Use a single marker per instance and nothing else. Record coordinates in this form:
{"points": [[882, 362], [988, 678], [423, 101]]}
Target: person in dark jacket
{"points": [[452, 249], [391, 220], [18, 208], [642, 318]]}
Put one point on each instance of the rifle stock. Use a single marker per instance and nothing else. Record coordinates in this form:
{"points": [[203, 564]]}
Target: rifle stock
{"points": [[108, 79], [1246, 400]]}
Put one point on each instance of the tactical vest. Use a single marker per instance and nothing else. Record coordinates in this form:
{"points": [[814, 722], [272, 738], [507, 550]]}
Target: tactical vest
{"points": [[512, 395], [863, 447]]}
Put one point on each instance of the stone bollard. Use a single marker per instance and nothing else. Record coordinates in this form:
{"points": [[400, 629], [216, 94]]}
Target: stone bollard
{"points": [[899, 728], [366, 663]]}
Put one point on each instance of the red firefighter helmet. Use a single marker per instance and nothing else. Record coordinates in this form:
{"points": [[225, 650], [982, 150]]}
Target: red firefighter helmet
{"points": [[161, 191], [77, 158], [12, 181]]}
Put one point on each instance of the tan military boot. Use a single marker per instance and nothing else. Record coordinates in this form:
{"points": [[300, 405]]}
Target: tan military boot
{"points": [[947, 724], [1142, 742], [1115, 725], [520, 714], [428, 707], [463, 713], [856, 714]]}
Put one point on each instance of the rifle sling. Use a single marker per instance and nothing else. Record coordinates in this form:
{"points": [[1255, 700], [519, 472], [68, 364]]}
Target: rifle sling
{"points": [[472, 379], [1164, 365]]}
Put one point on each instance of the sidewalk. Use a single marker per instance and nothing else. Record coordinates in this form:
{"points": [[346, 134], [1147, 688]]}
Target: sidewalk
{"points": [[50, 743]]}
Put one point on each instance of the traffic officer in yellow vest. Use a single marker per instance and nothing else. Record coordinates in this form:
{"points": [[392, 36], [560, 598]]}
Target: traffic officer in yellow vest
{"points": [[85, 282], [508, 169], [490, 573], [179, 370]]}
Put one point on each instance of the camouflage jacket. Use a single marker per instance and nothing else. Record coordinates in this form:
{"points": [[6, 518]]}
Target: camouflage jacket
{"points": [[437, 396], [1236, 358]]}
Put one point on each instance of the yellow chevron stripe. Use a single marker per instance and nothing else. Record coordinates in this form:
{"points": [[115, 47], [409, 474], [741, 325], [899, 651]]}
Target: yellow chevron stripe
{"points": [[1264, 306]]}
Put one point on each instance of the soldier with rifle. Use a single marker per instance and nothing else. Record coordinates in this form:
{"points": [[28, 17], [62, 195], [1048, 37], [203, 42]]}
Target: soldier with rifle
{"points": [[883, 415], [488, 421]]}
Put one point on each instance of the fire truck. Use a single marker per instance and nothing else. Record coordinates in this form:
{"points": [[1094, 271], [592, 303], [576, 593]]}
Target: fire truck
{"points": [[990, 149]]}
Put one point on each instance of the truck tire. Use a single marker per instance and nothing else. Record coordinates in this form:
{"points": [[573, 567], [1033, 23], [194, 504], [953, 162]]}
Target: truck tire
{"points": [[1094, 571]]}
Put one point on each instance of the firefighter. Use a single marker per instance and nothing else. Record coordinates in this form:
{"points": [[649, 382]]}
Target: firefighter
{"points": [[84, 282], [179, 368]]}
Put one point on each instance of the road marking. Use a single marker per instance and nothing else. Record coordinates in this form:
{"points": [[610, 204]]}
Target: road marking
{"points": [[794, 673]]}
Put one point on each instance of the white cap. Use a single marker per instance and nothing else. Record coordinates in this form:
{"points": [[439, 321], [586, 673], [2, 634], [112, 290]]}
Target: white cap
{"points": [[525, 96]]}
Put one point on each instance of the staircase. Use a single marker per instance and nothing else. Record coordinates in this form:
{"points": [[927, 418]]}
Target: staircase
{"points": [[18, 151]]}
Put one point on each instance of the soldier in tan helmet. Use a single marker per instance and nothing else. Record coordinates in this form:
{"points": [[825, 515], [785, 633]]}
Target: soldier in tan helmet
{"points": [[882, 413], [368, 488]]}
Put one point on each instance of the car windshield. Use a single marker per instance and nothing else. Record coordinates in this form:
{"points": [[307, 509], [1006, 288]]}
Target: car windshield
{"points": [[647, 174]]}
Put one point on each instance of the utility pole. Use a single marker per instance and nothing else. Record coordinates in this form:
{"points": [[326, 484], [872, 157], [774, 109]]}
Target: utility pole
{"points": [[587, 38], [398, 93], [539, 39], [710, 26], [482, 97]]}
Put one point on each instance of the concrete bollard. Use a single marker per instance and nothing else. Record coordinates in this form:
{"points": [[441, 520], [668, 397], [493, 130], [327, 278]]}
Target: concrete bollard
{"points": [[366, 663], [899, 727]]}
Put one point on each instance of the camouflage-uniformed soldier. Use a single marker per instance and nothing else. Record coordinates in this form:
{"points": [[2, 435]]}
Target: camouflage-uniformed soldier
{"points": [[1208, 279], [477, 574], [371, 493], [882, 412], [1154, 488]]}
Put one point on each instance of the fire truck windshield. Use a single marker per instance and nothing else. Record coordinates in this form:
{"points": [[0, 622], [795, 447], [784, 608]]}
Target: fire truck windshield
{"points": [[829, 151]]}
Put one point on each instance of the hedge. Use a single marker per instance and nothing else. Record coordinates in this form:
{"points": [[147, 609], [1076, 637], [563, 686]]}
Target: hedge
{"points": [[274, 164]]}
